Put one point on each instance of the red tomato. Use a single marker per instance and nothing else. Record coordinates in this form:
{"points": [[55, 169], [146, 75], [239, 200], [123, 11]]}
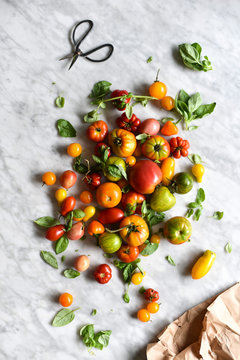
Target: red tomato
{"points": [[119, 104], [110, 216], [97, 131], [68, 179], [55, 232], [132, 201], [76, 232], [103, 273], [128, 124], [151, 295], [144, 176], [68, 205], [100, 148], [92, 180], [128, 253]]}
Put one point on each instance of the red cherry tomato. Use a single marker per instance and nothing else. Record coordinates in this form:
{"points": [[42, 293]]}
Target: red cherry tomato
{"points": [[110, 216], [128, 253], [97, 131], [103, 273], [68, 179], [55, 232], [100, 149], [151, 295], [68, 205], [120, 104], [92, 180], [128, 124]]}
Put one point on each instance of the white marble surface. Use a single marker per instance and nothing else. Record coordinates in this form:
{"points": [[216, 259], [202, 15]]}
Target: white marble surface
{"points": [[33, 36]]}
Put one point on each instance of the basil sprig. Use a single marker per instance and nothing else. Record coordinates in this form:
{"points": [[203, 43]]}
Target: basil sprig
{"points": [[150, 216], [98, 340], [196, 207], [61, 244], [191, 56], [190, 108]]}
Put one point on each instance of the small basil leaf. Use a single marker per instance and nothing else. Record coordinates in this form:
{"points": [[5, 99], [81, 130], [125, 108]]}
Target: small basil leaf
{"points": [[197, 214], [63, 317], [47, 221], [194, 102], [204, 110], [166, 119], [65, 128], [195, 158], [200, 196], [126, 298], [61, 244], [92, 116], [129, 110], [102, 337], [100, 89], [149, 59], [142, 290], [228, 248], [170, 260], [60, 101], [191, 128], [218, 215], [189, 213], [49, 258], [78, 213], [71, 273], [183, 96], [142, 137], [193, 205], [94, 312], [149, 249]]}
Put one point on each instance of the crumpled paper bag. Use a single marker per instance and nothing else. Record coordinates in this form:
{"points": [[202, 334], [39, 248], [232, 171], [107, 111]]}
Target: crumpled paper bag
{"points": [[208, 331]]}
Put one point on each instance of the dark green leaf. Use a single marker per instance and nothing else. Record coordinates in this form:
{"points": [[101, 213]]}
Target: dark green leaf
{"points": [[149, 249], [63, 317], [102, 337], [204, 110], [60, 101], [47, 221], [70, 221], [100, 89], [193, 205], [87, 333], [195, 158], [91, 116], [170, 260], [200, 196], [189, 213], [61, 244], [127, 272], [63, 258], [228, 248], [105, 155], [149, 59], [49, 258], [65, 128], [78, 166], [197, 214], [218, 215], [142, 290], [71, 273], [94, 312]]}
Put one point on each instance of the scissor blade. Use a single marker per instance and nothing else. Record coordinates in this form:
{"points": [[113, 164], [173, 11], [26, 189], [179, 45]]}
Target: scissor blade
{"points": [[67, 57], [73, 61]]}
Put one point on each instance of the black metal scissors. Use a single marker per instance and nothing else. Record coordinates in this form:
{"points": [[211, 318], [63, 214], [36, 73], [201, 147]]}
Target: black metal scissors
{"points": [[78, 52]]}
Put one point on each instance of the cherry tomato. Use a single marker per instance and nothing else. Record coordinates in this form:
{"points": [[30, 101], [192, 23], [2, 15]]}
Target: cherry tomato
{"points": [[103, 273], [169, 129], [86, 197], [92, 180], [60, 195], [74, 149], [128, 253], [89, 212], [151, 295], [49, 178], [128, 124], [82, 263], [155, 239], [68, 205], [198, 171], [131, 161], [68, 179], [65, 299], [55, 232], [120, 104], [110, 216], [97, 131], [158, 89], [167, 103], [153, 307], [137, 278], [76, 232], [95, 228], [143, 315], [100, 148]]}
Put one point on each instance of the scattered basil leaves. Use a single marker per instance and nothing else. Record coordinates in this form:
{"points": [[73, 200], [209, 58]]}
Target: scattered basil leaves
{"points": [[63, 317], [71, 273], [65, 128], [49, 258]]}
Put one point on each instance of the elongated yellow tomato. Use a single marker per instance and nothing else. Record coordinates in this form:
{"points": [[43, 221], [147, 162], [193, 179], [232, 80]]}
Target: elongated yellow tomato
{"points": [[135, 230], [203, 264], [167, 168], [123, 142], [89, 212], [198, 171]]}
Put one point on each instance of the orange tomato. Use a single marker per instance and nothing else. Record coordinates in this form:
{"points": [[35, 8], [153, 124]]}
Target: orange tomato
{"points": [[167, 103], [169, 129], [167, 168], [122, 142], [153, 307], [74, 149], [95, 228], [86, 197], [49, 178], [130, 161], [65, 299], [108, 195], [143, 315], [138, 150], [155, 239], [135, 230]]}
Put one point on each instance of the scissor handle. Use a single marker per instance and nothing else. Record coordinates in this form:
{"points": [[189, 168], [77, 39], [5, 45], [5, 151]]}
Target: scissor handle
{"points": [[110, 46], [78, 43]]}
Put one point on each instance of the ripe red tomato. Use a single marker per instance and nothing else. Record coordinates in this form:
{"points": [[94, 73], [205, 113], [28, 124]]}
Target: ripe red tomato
{"points": [[128, 253], [68, 205], [55, 232], [110, 216], [128, 124], [92, 180], [68, 179], [151, 295], [76, 232], [144, 176], [97, 131], [100, 148], [119, 104], [103, 273], [132, 202]]}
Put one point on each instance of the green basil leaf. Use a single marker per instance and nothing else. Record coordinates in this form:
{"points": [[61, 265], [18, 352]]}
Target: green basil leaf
{"points": [[97, 159], [119, 264], [197, 47], [189, 54], [60, 101], [78, 213], [166, 119], [126, 298], [61, 244], [149, 59], [63, 317], [47, 221], [228, 248], [105, 155], [170, 260], [65, 128], [149, 249], [200, 196], [91, 116], [127, 273], [157, 218], [195, 158], [100, 89], [87, 333], [142, 290], [94, 312], [197, 214], [102, 337], [142, 137], [189, 213], [113, 170], [193, 205], [122, 171], [183, 96], [63, 258], [194, 102], [204, 110], [129, 111], [49, 258], [218, 215], [183, 107], [191, 128], [144, 208], [71, 273]]}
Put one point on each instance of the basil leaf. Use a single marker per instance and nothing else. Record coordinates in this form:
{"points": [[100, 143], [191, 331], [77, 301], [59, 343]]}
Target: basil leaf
{"points": [[126, 298], [60, 101], [190, 54], [142, 290], [200, 196], [49, 258], [195, 158], [127, 272], [166, 119], [119, 264], [114, 171], [157, 218], [105, 155], [87, 333], [47, 221], [100, 89], [204, 110], [193, 205], [63, 317], [102, 337], [197, 214], [191, 128], [78, 166], [78, 213], [144, 209], [183, 96], [218, 215], [170, 260], [197, 47], [149, 59], [142, 137], [63, 258], [129, 111], [122, 171], [94, 312], [71, 273], [228, 248], [97, 159], [194, 102], [189, 213], [149, 249], [61, 244], [91, 116], [65, 128]]}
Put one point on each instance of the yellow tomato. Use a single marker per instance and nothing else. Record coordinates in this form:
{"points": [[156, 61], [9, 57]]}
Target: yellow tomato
{"points": [[137, 278], [143, 315], [203, 264], [60, 195], [153, 307], [89, 212], [167, 168], [198, 171], [74, 149], [155, 239]]}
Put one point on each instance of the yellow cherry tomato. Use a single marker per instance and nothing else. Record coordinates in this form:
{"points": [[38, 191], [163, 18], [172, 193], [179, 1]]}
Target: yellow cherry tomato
{"points": [[74, 149], [167, 168], [203, 265], [155, 239], [143, 315], [89, 212], [167, 103], [130, 161], [153, 307], [49, 178], [60, 195], [137, 278], [198, 171]]}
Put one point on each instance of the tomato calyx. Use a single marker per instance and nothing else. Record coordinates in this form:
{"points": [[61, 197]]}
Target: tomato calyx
{"points": [[117, 141]]}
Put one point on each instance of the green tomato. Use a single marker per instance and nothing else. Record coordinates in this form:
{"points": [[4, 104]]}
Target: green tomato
{"points": [[111, 170], [183, 183], [162, 199], [177, 230], [110, 243]]}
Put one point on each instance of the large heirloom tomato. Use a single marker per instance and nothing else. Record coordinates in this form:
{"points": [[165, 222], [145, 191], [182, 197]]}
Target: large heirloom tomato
{"points": [[156, 148], [177, 230], [108, 195], [110, 216], [97, 131], [135, 230], [131, 202], [123, 142], [144, 176], [110, 243]]}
